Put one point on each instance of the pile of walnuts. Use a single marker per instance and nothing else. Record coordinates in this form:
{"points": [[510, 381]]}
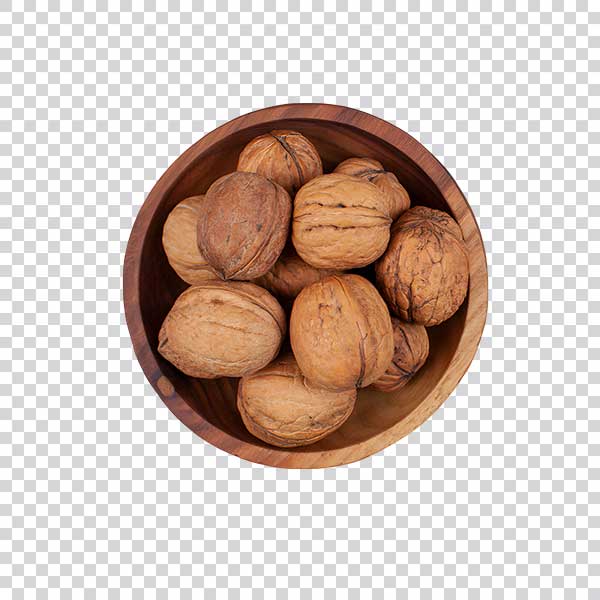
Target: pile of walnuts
{"points": [[278, 237]]}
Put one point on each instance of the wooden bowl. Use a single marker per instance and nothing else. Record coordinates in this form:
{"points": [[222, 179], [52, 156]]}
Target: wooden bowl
{"points": [[208, 407]]}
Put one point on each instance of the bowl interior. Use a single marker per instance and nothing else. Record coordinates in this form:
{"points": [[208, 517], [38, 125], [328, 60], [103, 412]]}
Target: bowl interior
{"points": [[215, 401]]}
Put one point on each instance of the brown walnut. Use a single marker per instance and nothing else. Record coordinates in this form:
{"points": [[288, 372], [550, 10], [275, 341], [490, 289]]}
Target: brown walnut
{"points": [[290, 275], [411, 348], [424, 274], [283, 156], [218, 329], [243, 225], [180, 242], [372, 170], [340, 222], [341, 333], [281, 407]]}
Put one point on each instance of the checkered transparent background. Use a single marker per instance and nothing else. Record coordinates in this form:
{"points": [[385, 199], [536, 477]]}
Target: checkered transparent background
{"points": [[102, 490]]}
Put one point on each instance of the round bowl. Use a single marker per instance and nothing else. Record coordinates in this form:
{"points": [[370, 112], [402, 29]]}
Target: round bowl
{"points": [[208, 407]]}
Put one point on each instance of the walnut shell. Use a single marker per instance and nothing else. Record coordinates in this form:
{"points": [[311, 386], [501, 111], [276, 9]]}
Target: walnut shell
{"points": [[180, 242], [424, 274], [372, 170], [243, 225], [341, 333], [283, 156], [411, 348], [340, 222], [221, 329], [290, 275], [281, 407]]}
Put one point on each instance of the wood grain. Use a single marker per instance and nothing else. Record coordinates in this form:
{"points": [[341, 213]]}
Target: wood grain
{"points": [[151, 286]]}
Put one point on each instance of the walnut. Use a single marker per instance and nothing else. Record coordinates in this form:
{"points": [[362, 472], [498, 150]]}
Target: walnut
{"points": [[180, 242], [218, 329], [243, 225], [283, 156], [281, 407], [411, 348], [372, 170], [340, 222], [424, 274], [341, 333], [290, 275]]}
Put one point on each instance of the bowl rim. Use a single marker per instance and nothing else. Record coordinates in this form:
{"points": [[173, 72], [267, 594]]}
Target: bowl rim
{"points": [[477, 298]]}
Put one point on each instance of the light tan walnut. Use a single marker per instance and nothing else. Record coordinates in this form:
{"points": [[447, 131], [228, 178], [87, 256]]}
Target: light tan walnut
{"points": [[372, 170], [243, 225], [340, 222], [180, 242], [341, 333], [283, 156], [424, 274], [281, 407], [218, 329], [411, 348], [290, 275]]}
